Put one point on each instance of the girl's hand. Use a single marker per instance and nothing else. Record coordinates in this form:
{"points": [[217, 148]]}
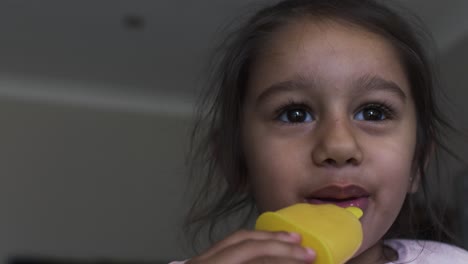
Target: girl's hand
{"points": [[250, 247]]}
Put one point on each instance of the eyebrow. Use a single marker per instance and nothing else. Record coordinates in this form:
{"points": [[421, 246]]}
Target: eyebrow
{"points": [[362, 85], [295, 84], [368, 83]]}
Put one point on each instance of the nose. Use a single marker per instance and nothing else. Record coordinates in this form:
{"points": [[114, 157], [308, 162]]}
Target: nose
{"points": [[336, 145]]}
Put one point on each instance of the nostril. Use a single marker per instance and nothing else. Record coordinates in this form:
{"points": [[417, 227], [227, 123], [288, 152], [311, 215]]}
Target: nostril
{"points": [[352, 161], [330, 161], [334, 162]]}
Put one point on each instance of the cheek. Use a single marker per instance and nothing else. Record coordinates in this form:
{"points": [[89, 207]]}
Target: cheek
{"points": [[393, 165], [394, 183], [273, 167], [393, 154], [392, 170]]}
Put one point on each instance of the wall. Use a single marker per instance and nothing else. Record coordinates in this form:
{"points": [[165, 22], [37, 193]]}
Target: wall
{"points": [[89, 182]]}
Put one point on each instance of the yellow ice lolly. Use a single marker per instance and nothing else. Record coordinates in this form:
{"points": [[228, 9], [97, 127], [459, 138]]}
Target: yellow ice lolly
{"points": [[334, 233]]}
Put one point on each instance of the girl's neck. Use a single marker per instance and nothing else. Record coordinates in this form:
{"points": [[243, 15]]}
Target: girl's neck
{"points": [[377, 254]]}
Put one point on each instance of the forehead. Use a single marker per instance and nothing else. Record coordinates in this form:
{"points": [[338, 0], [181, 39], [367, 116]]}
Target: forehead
{"points": [[326, 51]]}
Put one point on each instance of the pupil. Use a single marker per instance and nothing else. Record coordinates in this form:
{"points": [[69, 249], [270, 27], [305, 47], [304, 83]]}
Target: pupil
{"points": [[372, 114], [296, 116]]}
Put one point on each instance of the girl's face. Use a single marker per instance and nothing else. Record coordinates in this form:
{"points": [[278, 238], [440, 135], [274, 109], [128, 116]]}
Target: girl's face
{"points": [[329, 118]]}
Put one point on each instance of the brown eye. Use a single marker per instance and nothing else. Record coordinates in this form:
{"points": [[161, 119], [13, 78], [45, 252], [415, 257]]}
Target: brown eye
{"points": [[295, 116], [372, 113]]}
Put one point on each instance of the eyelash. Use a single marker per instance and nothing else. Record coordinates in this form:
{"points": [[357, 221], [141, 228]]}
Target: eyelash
{"points": [[387, 108], [290, 105]]}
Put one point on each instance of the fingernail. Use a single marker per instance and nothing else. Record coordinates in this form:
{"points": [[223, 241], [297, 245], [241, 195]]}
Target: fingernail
{"points": [[291, 237], [310, 254], [294, 236]]}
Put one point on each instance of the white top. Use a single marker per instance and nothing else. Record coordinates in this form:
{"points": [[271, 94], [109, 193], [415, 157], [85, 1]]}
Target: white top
{"points": [[420, 252], [427, 252]]}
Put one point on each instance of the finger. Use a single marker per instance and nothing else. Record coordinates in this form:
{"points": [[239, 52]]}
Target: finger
{"points": [[249, 250], [252, 235]]}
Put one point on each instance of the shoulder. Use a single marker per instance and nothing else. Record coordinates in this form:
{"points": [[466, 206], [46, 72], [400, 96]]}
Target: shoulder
{"points": [[422, 251]]}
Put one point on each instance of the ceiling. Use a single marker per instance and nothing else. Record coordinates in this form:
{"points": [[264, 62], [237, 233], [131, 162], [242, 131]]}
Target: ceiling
{"points": [[147, 55]]}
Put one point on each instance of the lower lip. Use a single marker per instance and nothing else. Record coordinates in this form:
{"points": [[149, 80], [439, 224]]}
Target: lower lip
{"points": [[361, 202]]}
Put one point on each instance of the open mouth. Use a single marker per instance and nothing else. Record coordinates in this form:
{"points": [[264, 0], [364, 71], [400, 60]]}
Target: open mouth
{"points": [[361, 202], [343, 196]]}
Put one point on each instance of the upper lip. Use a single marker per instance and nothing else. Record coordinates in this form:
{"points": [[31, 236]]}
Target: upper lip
{"points": [[339, 192]]}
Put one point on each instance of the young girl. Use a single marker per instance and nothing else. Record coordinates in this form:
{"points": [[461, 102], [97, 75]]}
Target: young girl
{"points": [[321, 101]]}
